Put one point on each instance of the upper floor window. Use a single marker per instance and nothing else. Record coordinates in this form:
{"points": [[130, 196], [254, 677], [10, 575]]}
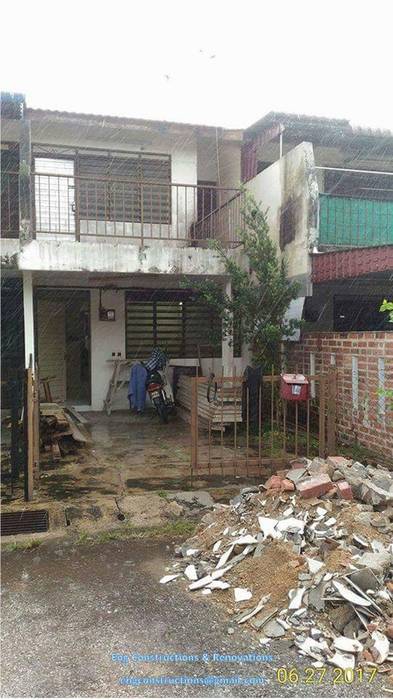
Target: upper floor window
{"points": [[100, 187], [133, 188]]}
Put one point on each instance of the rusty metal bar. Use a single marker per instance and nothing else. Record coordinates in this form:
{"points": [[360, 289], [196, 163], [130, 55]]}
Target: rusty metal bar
{"points": [[235, 424], [194, 427], [322, 409], [260, 423], [296, 427], [331, 410], [308, 428], [247, 425], [222, 418], [272, 414]]}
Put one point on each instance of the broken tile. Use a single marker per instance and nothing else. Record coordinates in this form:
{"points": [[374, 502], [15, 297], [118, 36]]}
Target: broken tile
{"points": [[314, 565], [380, 647], [296, 597], [349, 595], [342, 660], [191, 572], [268, 527], [169, 577], [346, 644], [273, 629], [242, 594]]}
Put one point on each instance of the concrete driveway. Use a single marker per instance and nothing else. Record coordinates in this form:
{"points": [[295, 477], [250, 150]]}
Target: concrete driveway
{"points": [[66, 610]]}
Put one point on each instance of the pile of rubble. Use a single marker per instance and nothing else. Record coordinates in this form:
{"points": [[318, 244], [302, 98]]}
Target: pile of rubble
{"points": [[306, 556]]}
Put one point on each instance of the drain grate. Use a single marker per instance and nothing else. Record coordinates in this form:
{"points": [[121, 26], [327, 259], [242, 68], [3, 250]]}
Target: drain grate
{"points": [[24, 521]]}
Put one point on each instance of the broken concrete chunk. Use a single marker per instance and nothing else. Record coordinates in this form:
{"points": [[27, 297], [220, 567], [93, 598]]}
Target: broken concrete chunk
{"points": [[273, 629], [375, 496], [341, 616], [242, 594], [380, 647], [346, 644], [218, 585], [290, 525], [311, 647], [364, 579], [295, 475], [191, 572], [342, 660], [246, 539], [192, 499], [378, 562]]}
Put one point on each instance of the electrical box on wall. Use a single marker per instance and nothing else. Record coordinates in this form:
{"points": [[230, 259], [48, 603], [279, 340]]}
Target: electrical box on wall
{"points": [[107, 314], [294, 387]]}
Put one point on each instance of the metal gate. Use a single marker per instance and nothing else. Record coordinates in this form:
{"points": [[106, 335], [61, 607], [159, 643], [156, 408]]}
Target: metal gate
{"points": [[248, 431]]}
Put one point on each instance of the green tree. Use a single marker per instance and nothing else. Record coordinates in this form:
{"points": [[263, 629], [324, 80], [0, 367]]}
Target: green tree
{"points": [[261, 290], [388, 307]]}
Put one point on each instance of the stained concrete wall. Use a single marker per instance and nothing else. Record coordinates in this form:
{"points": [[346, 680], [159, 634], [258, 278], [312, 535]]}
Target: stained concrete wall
{"points": [[290, 186]]}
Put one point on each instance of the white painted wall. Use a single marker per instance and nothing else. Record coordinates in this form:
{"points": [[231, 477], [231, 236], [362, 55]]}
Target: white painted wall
{"points": [[106, 337]]}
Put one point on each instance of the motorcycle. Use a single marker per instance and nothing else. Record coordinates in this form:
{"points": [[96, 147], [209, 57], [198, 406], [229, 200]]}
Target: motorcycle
{"points": [[160, 394]]}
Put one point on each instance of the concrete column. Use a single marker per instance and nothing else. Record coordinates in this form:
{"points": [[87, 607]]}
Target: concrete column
{"points": [[25, 203], [28, 317], [227, 342]]}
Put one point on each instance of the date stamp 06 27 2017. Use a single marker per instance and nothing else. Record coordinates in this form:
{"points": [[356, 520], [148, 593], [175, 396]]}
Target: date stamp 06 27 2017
{"points": [[315, 676]]}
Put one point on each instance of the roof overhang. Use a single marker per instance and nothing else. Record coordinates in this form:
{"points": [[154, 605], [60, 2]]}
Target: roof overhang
{"points": [[356, 262]]}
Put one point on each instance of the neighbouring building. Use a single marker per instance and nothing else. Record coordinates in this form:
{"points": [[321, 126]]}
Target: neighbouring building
{"points": [[102, 217]]}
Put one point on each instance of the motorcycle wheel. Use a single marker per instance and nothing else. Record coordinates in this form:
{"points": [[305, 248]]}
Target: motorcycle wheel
{"points": [[161, 410]]}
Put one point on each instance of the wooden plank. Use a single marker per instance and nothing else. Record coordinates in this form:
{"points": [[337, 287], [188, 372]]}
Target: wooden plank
{"points": [[77, 433], [78, 416]]}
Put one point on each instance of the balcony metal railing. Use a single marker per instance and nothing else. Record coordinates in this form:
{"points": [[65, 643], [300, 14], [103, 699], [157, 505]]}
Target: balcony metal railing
{"points": [[9, 205], [81, 207]]}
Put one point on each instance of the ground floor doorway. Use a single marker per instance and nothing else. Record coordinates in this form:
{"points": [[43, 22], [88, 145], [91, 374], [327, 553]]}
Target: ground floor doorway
{"points": [[63, 343]]}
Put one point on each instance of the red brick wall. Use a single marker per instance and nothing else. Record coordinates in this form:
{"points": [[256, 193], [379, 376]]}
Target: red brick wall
{"points": [[363, 424]]}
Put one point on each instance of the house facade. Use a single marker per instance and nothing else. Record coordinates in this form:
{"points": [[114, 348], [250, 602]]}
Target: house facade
{"points": [[328, 189], [103, 218]]}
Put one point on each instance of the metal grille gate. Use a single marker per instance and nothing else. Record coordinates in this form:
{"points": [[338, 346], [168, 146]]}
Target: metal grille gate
{"points": [[225, 440]]}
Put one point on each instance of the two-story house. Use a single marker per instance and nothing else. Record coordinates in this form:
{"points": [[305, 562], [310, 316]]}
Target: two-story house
{"points": [[103, 217]]}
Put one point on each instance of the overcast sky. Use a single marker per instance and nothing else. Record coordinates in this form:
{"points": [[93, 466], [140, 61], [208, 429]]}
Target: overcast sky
{"points": [[209, 61]]}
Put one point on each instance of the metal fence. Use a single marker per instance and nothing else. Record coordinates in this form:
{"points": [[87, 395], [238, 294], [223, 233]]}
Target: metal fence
{"points": [[241, 430], [82, 206]]}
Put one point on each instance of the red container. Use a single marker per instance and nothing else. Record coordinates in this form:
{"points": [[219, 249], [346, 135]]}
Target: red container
{"points": [[294, 387]]}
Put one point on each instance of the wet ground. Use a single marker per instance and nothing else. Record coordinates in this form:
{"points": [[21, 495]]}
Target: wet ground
{"points": [[67, 609], [131, 454]]}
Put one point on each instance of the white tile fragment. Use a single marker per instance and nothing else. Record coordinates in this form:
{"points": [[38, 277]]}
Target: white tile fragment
{"points": [[169, 577]]}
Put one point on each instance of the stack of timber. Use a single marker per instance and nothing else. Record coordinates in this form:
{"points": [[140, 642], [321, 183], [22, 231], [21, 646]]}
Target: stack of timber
{"points": [[62, 430], [223, 408]]}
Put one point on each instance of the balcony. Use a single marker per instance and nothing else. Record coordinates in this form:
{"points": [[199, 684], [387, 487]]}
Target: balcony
{"points": [[351, 222], [85, 208]]}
